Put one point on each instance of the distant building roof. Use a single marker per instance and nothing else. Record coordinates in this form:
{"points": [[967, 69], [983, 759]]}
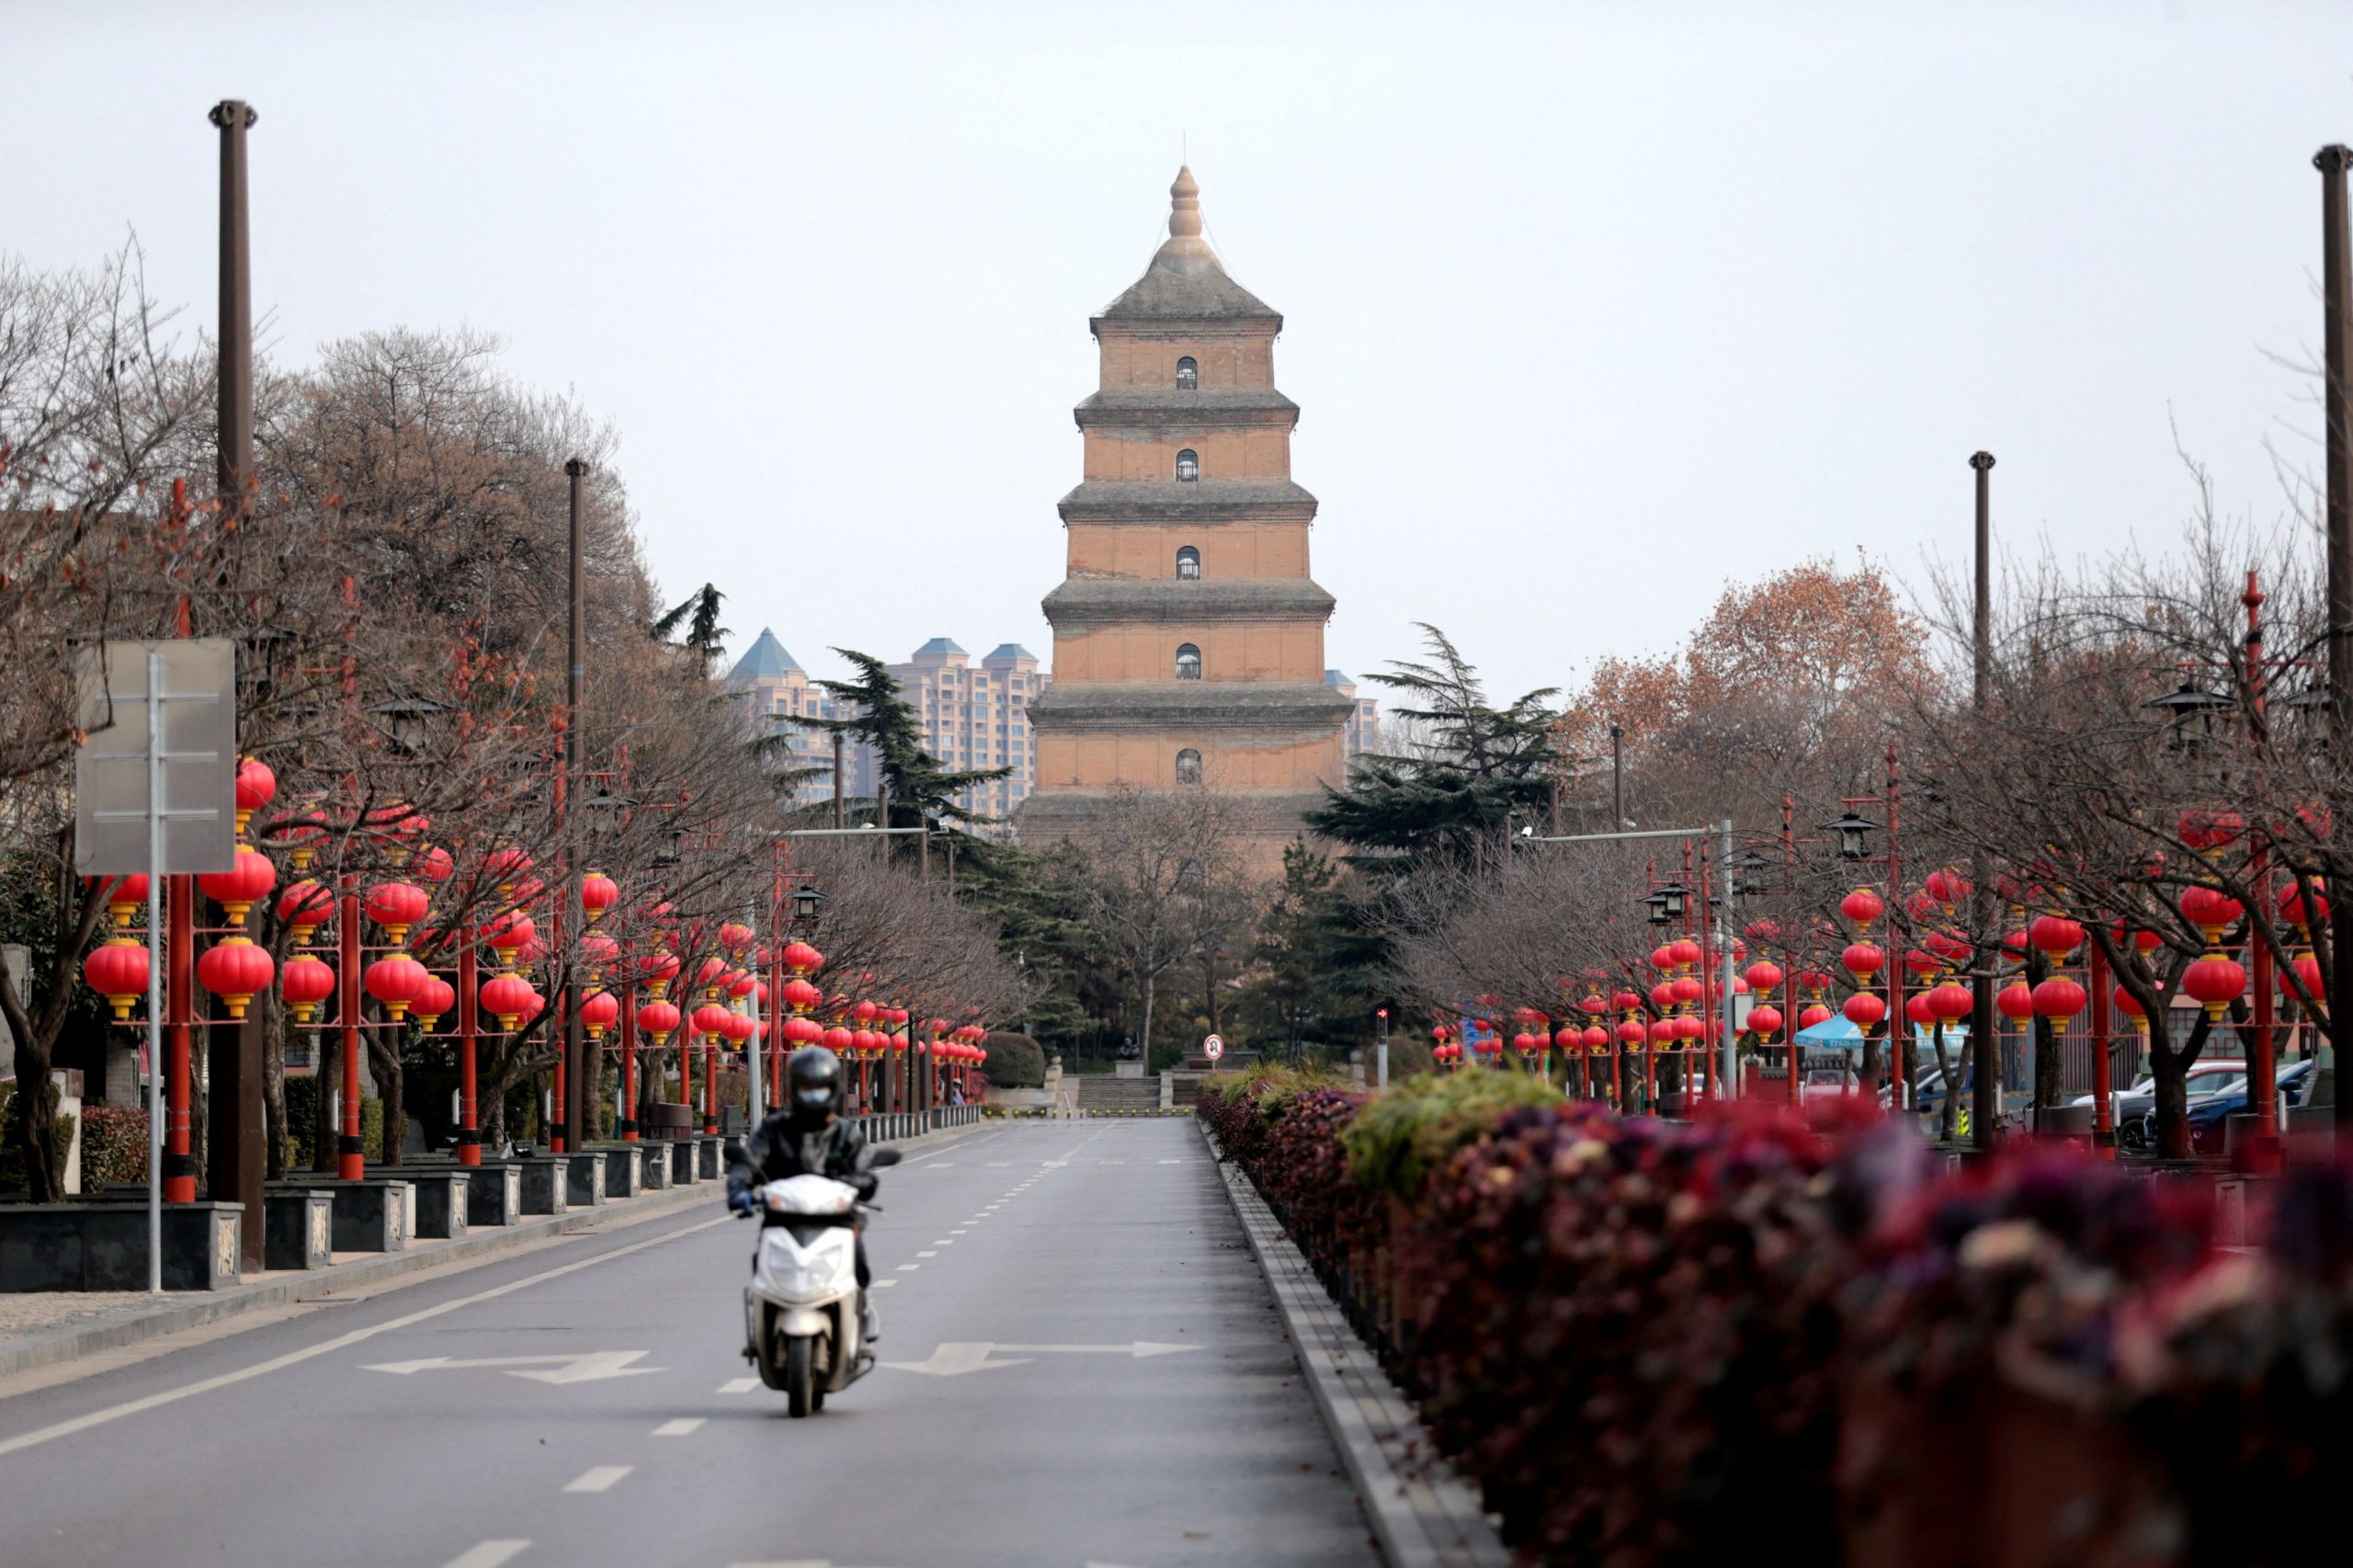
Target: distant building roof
{"points": [[766, 659], [937, 647], [1007, 653], [1337, 677]]}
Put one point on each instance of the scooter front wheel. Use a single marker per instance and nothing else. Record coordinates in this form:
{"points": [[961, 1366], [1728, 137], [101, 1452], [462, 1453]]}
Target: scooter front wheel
{"points": [[799, 1376]]}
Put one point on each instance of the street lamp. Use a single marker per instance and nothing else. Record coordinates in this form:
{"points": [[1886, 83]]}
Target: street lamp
{"points": [[805, 901], [1853, 831], [1657, 904], [2185, 705], [1675, 900], [408, 718]]}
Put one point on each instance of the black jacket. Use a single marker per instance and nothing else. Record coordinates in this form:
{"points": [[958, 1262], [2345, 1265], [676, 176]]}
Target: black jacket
{"points": [[780, 1147]]}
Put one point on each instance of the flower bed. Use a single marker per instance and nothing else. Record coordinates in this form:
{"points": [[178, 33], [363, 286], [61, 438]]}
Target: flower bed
{"points": [[1656, 1344]]}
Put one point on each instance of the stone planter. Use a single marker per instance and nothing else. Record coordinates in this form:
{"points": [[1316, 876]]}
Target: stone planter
{"points": [[624, 1170], [298, 1229], [547, 1183], [584, 1179], [493, 1195], [103, 1246]]}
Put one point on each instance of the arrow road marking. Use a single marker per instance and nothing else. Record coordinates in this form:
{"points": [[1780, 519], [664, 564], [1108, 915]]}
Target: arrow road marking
{"points": [[587, 1368], [956, 1357]]}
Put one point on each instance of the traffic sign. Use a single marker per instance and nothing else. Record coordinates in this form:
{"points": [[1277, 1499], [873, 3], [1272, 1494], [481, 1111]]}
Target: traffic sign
{"points": [[1213, 1048]]}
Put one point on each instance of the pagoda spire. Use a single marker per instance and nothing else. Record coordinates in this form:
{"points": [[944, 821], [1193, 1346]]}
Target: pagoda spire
{"points": [[1184, 246]]}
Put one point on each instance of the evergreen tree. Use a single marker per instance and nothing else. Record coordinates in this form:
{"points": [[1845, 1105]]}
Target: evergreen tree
{"points": [[1300, 992], [920, 791], [705, 638], [1478, 766]]}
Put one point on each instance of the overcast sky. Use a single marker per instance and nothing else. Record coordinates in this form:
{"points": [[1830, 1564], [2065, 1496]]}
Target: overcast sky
{"points": [[1589, 307]]}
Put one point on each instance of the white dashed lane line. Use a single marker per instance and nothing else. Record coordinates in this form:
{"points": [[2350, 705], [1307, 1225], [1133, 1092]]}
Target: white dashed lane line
{"points": [[927, 1254], [885, 1284], [682, 1428], [489, 1554], [909, 1267], [739, 1385], [599, 1477]]}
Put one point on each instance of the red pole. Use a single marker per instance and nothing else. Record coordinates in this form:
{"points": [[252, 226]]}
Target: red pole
{"points": [[2103, 1106], [179, 1167], [557, 1127], [1790, 1019], [2262, 1076], [351, 1158], [710, 1087], [687, 1066], [469, 1028], [628, 1107]]}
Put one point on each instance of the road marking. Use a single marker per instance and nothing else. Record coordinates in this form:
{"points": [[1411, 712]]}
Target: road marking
{"points": [[885, 1284], [909, 1267], [1111, 1161], [328, 1346], [966, 1232], [1172, 1162], [489, 1554], [682, 1426], [927, 1254], [956, 1357], [943, 1164], [598, 1478], [997, 1165], [739, 1385], [589, 1366]]}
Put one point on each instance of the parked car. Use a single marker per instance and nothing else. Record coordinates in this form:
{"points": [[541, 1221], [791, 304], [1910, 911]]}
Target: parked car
{"points": [[2136, 1108], [1829, 1083], [2208, 1113], [1927, 1092]]}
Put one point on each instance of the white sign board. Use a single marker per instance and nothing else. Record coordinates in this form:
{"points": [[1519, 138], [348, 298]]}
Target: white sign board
{"points": [[195, 725], [1213, 1048]]}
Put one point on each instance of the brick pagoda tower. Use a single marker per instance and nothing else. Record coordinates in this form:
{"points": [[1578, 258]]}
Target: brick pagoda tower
{"points": [[1188, 638]]}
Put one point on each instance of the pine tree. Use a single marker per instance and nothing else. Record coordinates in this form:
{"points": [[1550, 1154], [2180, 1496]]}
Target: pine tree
{"points": [[921, 793]]}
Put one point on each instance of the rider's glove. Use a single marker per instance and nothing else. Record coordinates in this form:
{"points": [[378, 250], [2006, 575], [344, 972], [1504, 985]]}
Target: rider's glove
{"points": [[744, 1200], [865, 1182]]}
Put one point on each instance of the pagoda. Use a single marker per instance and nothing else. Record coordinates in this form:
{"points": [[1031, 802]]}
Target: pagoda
{"points": [[1188, 636]]}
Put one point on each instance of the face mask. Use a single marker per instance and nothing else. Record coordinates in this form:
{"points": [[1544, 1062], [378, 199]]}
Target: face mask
{"points": [[815, 1099]]}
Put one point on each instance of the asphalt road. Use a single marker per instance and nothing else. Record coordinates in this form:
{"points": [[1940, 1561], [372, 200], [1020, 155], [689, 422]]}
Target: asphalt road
{"points": [[1060, 1247]]}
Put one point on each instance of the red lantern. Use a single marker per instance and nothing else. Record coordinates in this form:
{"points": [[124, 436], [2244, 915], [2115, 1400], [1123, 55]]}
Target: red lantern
{"points": [[709, 1020], [839, 1040], [1683, 950], [508, 997], [599, 1013], [1864, 1008], [1687, 990], [1862, 906], [394, 981], [738, 1028], [124, 896], [1863, 960], [2130, 1006], [1568, 1036], [2055, 934], [735, 937], [504, 868], [1625, 1002], [1920, 961], [656, 1021], [308, 981], [1630, 1033], [305, 905], [434, 997], [2307, 970], [510, 933], [2209, 832], [1764, 1022], [1764, 976], [657, 970], [118, 971], [801, 995], [1812, 1015], [2059, 999], [865, 1012], [598, 893], [396, 907], [739, 983], [2216, 982], [1663, 956], [2293, 907], [1596, 1038], [236, 972], [434, 865], [1952, 949], [257, 787], [239, 889], [803, 1032], [597, 951], [1951, 1000], [2210, 909], [2016, 1001], [1916, 1008], [1663, 1032], [802, 959]]}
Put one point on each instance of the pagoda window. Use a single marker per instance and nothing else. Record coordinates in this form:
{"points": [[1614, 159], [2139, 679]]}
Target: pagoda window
{"points": [[1188, 662], [1189, 766], [1188, 564], [1188, 375], [1188, 465]]}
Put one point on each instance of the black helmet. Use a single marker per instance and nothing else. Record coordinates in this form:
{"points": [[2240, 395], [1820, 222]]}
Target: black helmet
{"points": [[812, 1081]]}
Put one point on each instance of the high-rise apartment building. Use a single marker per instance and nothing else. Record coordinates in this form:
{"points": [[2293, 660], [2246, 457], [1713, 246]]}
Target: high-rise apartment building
{"points": [[777, 689], [1188, 638], [1362, 734], [977, 716]]}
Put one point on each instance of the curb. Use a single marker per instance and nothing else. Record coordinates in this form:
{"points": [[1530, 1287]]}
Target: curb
{"points": [[70, 1344], [1424, 1515]]}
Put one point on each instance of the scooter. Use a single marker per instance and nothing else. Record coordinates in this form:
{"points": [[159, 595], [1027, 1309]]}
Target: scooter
{"points": [[800, 1311]]}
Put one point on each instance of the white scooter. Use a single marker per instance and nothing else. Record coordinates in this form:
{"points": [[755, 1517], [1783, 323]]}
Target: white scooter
{"points": [[801, 1316]]}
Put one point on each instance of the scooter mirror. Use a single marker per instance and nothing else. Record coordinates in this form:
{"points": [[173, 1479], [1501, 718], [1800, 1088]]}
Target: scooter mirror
{"points": [[878, 1159]]}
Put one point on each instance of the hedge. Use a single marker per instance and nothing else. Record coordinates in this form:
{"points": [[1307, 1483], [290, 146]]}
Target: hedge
{"points": [[1670, 1343], [114, 1145], [1016, 1062], [302, 1111]]}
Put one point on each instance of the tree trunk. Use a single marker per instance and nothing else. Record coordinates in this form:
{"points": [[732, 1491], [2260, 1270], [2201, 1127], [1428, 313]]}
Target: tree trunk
{"points": [[1949, 1114], [1145, 1039], [385, 1061], [80, 907], [325, 1128], [43, 1182]]}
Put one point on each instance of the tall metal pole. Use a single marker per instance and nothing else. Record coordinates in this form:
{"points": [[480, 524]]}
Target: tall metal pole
{"points": [[1731, 924], [841, 805], [1985, 1097], [1617, 777], [154, 972], [2336, 317], [469, 1031], [577, 1081], [238, 1133]]}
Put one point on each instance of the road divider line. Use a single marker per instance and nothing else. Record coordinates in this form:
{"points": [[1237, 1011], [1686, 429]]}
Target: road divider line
{"points": [[328, 1346], [885, 1284], [489, 1554], [739, 1385], [598, 1478], [682, 1426]]}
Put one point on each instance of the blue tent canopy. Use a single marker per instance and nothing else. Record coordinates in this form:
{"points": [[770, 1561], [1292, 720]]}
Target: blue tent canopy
{"points": [[1838, 1032]]}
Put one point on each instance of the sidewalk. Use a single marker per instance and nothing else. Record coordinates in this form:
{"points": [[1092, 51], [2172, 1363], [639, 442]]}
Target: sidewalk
{"points": [[42, 1328]]}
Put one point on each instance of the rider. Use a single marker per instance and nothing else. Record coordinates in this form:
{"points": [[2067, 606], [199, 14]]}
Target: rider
{"points": [[807, 1137]]}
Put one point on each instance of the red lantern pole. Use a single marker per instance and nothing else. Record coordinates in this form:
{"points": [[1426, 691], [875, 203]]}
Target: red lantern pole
{"points": [[627, 1110], [710, 1084], [2262, 1074], [351, 1159], [468, 1114], [1709, 1003], [1899, 1025], [686, 1062], [2103, 1106], [179, 1165]]}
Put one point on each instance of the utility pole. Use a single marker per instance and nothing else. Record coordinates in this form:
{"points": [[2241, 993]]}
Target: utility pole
{"points": [[239, 1141], [574, 1090], [1985, 1097], [1617, 777], [2336, 318], [841, 806]]}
